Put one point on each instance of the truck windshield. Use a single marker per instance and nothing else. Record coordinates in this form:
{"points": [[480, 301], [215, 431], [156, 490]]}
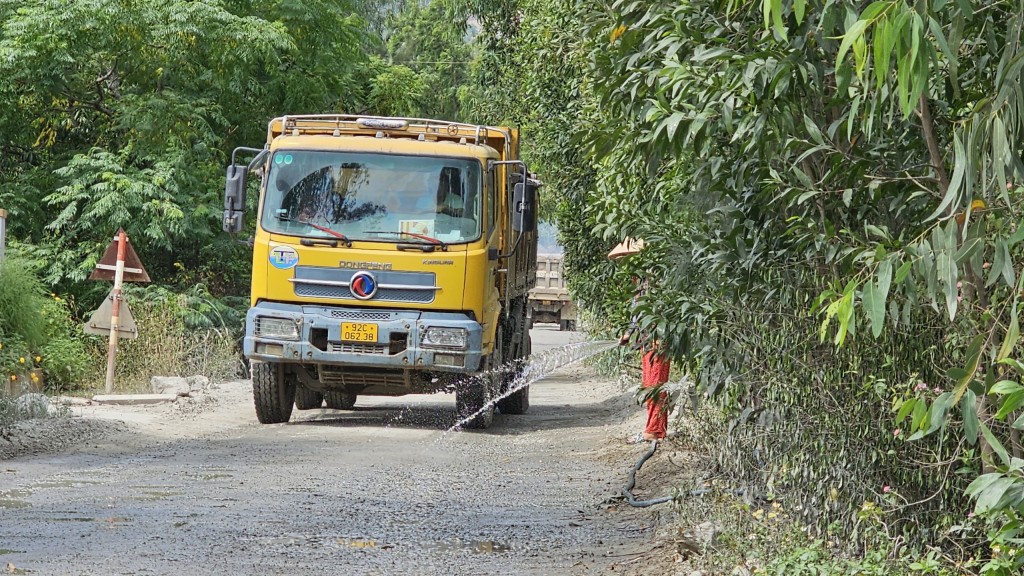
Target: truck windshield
{"points": [[373, 197]]}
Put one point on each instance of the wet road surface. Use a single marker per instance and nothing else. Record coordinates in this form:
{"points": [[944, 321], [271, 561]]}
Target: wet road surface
{"points": [[381, 489]]}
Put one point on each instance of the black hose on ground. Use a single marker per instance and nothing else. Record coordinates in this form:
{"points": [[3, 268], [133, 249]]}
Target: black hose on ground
{"points": [[627, 491], [632, 501]]}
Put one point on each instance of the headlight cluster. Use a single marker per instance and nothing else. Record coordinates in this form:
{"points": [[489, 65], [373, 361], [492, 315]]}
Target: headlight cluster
{"points": [[438, 337], [282, 328]]}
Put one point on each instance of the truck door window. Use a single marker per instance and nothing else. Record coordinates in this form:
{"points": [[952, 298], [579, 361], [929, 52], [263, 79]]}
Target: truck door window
{"points": [[362, 195]]}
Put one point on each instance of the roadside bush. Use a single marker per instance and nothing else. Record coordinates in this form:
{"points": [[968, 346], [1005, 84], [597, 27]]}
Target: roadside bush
{"points": [[21, 300], [64, 357], [37, 331], [180, 334]]}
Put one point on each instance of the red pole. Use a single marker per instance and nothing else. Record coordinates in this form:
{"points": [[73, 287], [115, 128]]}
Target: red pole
{"points": [[115, 312]]}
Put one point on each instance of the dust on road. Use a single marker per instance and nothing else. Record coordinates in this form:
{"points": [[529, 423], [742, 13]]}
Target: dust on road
{"points": [[380, 489]]}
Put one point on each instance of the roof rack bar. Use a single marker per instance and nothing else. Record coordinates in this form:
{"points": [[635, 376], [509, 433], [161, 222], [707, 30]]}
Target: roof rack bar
{"points": [[427, 124]]}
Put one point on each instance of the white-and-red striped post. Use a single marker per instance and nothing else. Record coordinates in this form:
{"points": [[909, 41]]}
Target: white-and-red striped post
{"points": [[122, 243]]}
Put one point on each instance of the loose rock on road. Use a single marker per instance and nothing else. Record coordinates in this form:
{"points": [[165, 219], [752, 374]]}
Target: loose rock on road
{"points": [[381, 489]]}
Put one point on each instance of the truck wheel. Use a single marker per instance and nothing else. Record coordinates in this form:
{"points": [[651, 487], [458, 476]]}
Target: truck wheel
{"points": [[473, 397], [477, 394], [340, 400], [518, 402], [306, 399], [273, 392], [563, 325], [571, 325]]}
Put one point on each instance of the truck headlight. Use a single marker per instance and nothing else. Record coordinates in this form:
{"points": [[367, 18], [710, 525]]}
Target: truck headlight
{"points": [[444, 337], [281, 328]]}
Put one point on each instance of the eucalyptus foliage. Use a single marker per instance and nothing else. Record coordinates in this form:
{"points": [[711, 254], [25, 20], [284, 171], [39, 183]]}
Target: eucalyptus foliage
{"points": [[431, 41], [829, 195]]}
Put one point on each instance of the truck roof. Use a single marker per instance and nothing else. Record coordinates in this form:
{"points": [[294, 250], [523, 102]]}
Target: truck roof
{"points": [[370, 143], [502, 139]]}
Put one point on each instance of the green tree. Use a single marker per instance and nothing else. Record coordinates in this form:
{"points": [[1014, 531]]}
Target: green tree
{"points": [[133, 108], [431, 41]]}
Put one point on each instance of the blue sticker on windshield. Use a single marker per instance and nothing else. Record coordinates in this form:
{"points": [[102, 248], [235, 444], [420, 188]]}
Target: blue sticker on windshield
{"points": [[288, 158], [283, 257], [278, 158]]}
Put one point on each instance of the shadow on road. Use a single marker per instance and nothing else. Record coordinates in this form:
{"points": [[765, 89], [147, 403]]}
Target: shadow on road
{"points": [[541, 416], [410, 416]]}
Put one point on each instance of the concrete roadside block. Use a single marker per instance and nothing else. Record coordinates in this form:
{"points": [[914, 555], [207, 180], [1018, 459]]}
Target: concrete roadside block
{"points": [[197, 384], [73, 401], [170, 385], [132, 399]]}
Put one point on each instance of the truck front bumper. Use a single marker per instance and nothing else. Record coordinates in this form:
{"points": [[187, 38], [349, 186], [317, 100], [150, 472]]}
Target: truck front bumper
{"points": [[276, 332]]}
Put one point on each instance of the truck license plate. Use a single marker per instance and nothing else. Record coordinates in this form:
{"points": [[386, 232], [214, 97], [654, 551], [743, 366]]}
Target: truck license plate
{"points": [[358, 332]]}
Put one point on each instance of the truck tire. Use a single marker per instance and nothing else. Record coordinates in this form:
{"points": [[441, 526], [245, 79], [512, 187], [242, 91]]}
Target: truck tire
{"points": [[272, 392], [563, 325], [473, 397], [477, 394], [306, 399], [340, 400], [518, 402]]}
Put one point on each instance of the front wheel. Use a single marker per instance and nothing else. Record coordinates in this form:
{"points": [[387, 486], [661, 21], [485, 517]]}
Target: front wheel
{"points": [[475, 399], [517, 402], [273, 392]]}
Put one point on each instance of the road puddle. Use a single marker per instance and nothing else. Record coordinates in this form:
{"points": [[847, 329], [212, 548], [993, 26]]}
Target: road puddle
{"points": [[362, 543], [210, 473], [12, 503], [286, 541], [150, 493], [473, 546], [68, 483], [153, 496], [456, 545], [112, 520], [12, 499]]}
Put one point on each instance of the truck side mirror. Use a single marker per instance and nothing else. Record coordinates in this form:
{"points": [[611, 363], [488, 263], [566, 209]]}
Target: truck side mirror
{"points": [[234, 197], [524, 211]]}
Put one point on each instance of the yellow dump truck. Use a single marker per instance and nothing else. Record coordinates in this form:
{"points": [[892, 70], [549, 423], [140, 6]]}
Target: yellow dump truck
{"points": [[391, 256]]}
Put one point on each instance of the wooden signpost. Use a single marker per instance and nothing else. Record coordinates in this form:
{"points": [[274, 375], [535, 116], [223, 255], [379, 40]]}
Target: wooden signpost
{"points": [[121, 264]]}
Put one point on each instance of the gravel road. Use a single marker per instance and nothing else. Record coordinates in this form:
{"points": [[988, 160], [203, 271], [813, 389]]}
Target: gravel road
{"points": [[381, 489]]}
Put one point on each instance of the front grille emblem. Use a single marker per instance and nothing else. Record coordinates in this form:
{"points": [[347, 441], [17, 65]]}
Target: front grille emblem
{"points": [[363, 285]]}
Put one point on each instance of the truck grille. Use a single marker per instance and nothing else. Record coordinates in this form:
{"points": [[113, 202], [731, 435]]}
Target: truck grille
{"points": [[395, 286], [358, 348], [384, 294], [336, 375], [360, 315]]}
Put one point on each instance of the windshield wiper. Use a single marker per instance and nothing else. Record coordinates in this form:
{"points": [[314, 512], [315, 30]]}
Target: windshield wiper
{"points": [[431, 242], [335, 233]]}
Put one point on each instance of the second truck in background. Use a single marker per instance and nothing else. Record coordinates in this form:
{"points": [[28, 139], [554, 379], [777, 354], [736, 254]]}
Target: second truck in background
{"points": [[549, 300]]}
